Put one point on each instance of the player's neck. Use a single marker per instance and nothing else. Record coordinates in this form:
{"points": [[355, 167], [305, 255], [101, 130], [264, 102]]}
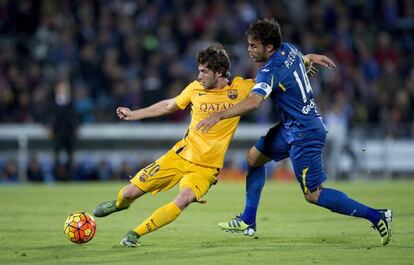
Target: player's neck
{"points": [[221, 83], [269, 55]]}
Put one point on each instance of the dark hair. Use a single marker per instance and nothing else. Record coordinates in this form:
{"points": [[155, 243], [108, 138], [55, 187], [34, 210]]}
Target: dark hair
{"points": [[267, 31], [216, 59]]}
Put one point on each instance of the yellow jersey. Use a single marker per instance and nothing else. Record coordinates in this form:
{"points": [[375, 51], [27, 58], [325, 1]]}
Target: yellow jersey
{"points": [[209, 149]]}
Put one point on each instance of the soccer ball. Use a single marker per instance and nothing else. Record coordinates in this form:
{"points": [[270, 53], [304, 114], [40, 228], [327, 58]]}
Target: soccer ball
{"points": [[80, 227]]}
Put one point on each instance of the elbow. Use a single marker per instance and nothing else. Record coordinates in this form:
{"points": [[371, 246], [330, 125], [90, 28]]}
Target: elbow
{"points": [[170, 107]]}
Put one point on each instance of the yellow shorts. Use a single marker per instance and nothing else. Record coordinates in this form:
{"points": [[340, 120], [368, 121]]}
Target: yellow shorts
{"points": [[170, 169]]}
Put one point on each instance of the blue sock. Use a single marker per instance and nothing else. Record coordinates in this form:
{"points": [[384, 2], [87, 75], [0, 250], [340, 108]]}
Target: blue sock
{"points": [[339, 202], [255, 181]]}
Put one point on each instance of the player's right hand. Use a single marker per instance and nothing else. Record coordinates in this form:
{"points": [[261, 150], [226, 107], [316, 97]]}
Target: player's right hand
{"points": [[124, 113], [320, 60]]}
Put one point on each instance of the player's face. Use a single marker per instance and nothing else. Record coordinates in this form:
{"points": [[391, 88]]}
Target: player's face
{"points": [[207, 77], [256, 50]]}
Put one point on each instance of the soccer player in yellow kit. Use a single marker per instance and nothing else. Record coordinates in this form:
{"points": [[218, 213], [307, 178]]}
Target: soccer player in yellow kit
{"points": [[195, 161]]}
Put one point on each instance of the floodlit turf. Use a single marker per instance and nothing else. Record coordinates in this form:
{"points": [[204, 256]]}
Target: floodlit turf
{"points": [[290, 231]]}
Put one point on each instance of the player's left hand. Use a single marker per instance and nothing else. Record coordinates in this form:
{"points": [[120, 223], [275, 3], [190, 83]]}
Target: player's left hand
{"points": [[206, 124]]}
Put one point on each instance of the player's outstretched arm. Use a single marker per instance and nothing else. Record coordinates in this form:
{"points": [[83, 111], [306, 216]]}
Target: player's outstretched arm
{"points": [[253, 102], [320, 59], [312, 59], [158, 109]]}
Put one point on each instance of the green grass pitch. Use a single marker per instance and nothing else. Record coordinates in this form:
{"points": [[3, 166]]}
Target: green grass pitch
{"points": [[290, 231]]}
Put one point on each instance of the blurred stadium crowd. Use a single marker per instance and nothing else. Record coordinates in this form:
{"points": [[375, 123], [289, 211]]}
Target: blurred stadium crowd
{"points": [[44, 172], [134, 53]]}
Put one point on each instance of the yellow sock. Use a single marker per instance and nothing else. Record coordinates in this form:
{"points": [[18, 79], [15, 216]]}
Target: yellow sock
{"points": [[162, 216], [121, 202]]}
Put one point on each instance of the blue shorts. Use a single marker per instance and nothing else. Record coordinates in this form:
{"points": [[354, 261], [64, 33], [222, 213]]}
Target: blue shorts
{"points": [[304, 150]]}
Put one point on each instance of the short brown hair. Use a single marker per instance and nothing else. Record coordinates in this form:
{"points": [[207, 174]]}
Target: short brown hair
{"points": [[267, 31], [216, 59]]}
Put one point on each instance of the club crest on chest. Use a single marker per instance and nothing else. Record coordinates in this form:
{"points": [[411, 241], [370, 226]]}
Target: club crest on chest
{"points": [[232, 93]]}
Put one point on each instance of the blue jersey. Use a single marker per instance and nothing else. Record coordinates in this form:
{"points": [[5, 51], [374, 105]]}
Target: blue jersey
{"points": [[284, 79]]}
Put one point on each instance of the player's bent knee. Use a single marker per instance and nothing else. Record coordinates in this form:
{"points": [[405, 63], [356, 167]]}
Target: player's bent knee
{"points": [[132, 192], [255, 158], [184, 198], [312, 197], [251, 157]]}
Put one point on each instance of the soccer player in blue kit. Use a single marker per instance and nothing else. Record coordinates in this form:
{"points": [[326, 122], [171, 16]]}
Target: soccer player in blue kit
{"points": [[301, 134]]}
